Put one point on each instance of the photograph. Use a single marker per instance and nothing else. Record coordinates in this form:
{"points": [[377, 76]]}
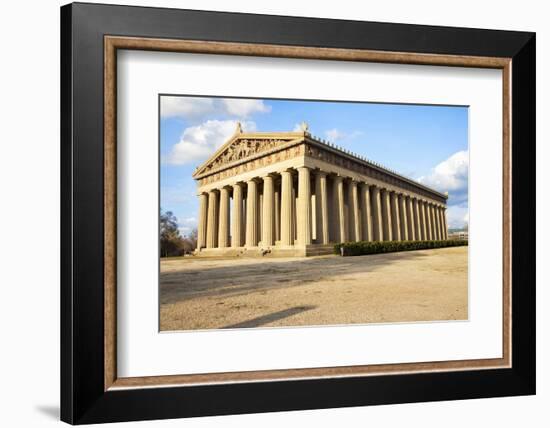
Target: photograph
{"points": [[261, 211], [303, 213]]}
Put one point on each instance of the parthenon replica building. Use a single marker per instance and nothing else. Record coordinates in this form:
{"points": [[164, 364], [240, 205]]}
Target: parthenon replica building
{"points": [[292, 194]]}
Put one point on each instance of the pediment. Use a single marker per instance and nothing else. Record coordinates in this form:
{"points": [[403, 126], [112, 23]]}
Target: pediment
{"points": [[241, 147]]}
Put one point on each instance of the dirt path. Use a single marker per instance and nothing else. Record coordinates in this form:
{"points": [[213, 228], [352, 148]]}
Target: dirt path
{"points": [[230, 293]]}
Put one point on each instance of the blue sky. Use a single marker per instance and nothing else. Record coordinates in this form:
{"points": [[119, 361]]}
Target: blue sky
{"points": [[426, 143]]}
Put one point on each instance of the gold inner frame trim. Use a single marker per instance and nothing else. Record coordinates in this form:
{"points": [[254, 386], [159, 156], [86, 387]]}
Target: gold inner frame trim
{"points": [[113, 43]]}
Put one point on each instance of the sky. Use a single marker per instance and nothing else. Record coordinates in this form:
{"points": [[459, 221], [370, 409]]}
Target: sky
{"points": [[425, 143]]}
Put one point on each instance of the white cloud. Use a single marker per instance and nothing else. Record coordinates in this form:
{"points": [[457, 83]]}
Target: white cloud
{"points": [[244, 107], [197, 108], [199, 142], [187, 107], [457, 216], [187, 225], [335, 134], [451, 176]]}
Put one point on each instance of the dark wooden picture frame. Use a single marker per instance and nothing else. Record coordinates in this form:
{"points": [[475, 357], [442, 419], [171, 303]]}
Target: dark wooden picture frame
{"points": [[90, 37]]}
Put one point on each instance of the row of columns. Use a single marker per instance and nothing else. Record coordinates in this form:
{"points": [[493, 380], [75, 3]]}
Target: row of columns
{"points": [[336, 210]]}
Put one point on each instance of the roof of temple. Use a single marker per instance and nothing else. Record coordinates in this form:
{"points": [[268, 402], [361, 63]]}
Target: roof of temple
{"points": [[238, 150]]}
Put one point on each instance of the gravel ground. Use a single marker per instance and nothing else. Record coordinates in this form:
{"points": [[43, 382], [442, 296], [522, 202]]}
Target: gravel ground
{"points": [[424, 285]]}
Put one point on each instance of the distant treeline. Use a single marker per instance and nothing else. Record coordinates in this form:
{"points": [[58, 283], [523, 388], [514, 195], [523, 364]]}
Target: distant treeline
{"points": [[172, 244]]}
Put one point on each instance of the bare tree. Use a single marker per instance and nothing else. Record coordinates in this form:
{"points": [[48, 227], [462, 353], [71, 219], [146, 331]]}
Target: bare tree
{"points": [[190, 241], [171, 242]]}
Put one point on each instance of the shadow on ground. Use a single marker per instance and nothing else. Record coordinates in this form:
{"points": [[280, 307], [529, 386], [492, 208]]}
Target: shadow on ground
{"points": [[231, 281], [274, 316]]}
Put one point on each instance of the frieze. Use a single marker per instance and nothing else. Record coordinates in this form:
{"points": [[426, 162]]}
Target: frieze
{"points": [[363, 169], [279, 156], [242, 149], [253, 147]]}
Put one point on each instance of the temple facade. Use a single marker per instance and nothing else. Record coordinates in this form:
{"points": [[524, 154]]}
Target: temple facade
{"points": [[292, 194]]}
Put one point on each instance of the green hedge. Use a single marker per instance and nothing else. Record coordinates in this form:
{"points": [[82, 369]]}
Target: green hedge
{"points": [[375, 247]]}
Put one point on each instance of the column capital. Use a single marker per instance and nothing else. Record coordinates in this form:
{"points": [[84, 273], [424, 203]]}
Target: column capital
{"points": [[320, 173]]}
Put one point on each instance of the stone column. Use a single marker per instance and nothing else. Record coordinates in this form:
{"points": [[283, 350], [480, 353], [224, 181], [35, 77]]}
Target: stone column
{"points": [[243, 223], [201, 230], [417, 220], [395, 217], [386, 216], [437, 222], [303, 215], [293, 215], [339, 210], [423, 219], [260, 209], [277, 219], [321, 207], [377, 226], [437, 213], [252, 213], [429, 230], [434, 223], [404, 217], [442, 222], [223, 231], [267, 208], [431, 220], [445, 223], [410, 219], [366, 222], [355, 232], [237, 220], [286, 208], [212, 226]]}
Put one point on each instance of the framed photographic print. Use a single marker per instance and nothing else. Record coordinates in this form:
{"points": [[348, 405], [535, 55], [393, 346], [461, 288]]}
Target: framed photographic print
{"points": [[265, 213]]}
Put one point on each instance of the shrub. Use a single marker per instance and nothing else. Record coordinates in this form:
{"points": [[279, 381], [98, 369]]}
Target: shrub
{"points": [[376, 247]]}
